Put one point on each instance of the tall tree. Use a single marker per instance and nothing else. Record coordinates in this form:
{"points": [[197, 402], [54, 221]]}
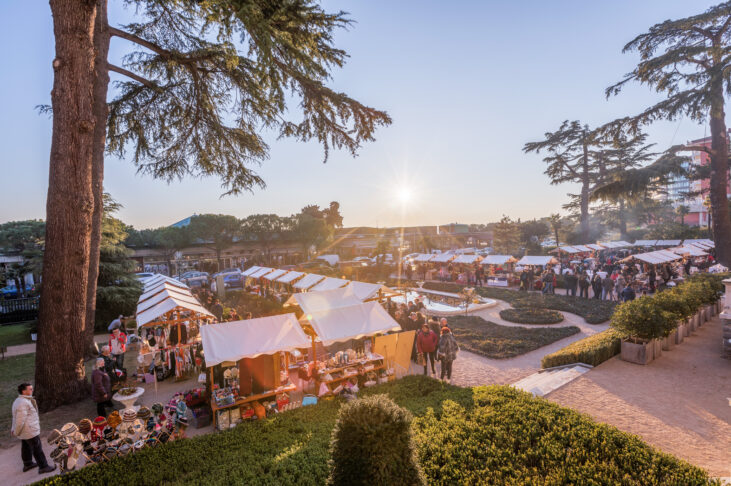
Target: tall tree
{"points": [[506, 236], [571, 157], [26, 240], [204, 77], [311, 231], [332, 215], [555, 221], [688, 61], [171, 239], [266, 229], [215, 231], [682, 210]]}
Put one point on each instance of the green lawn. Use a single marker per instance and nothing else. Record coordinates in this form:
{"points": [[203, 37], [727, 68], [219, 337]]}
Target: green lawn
{"points": [[13, 371], [15, 334], [486, 435], [495, 341]]}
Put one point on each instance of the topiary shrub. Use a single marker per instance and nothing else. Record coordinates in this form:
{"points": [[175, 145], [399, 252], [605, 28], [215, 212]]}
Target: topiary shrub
{"points": [[674, 301], [373, 444], [592, 350], [528, 315], [642, 319]]}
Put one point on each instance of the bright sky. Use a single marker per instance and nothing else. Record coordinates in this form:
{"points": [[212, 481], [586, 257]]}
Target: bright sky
{"points": [[466, 87]]}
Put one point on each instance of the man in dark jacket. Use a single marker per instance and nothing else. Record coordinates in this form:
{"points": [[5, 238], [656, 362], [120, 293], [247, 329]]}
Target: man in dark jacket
{"points": [[570, 281], [426, 343], [101, 388]]}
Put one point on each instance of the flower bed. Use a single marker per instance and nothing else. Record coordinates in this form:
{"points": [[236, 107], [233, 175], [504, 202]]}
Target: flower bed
{"points": [[591, 350], [500, 342], [530, 315], [484, 435]]}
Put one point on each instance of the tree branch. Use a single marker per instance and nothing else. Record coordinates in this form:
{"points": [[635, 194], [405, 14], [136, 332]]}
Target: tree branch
{"points": [[132, 75], [694, 148], [138, 40]]}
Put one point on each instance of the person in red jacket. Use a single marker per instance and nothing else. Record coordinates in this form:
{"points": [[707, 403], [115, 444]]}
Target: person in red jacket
{"points": [[426, 342]]}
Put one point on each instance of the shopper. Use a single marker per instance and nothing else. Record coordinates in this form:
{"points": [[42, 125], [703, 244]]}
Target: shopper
{"points": [[584, 285], [101, 388], [426, 343], [217, 310], [447, 353], [596, 286], [570, 281], [607, 288], [118, 345], [116, 323], [27, 427]]}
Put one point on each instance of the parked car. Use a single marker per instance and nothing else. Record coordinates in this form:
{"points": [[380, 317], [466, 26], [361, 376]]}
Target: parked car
{"points": [[142, 276], [195, 278], [233, 281], [11, 291], [228, 271]]}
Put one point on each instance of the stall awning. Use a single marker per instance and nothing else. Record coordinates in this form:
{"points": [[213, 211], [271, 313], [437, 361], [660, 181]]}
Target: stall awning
{"points": [[467, 259], [272, 276], [232, 341], [308, 281], [645, 242], [251, 270], [311, 302], [667, 243], [702, 243], [594, 246], [290, 277], [167, 305], [160, 288], [498, 260], [329, 283], [366, 290], [615, 244], [143, 305], [689, 250], [655, 257], [582, 248], [443, 258], [537, 260], [565, 249], [158, 279], [353, 322], [261, 272], [424, 257]]}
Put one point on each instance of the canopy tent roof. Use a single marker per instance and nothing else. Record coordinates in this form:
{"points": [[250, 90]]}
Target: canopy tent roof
{"points": [[308, 281], [594, 246], [366, 290], [467, 259], [351, 322], [169, 304], [272, 276], [614, 244], [443, 258], [311, 302], [655, 257], [251, 270], [159, 288], [537, 260], [331, 260], [290, 277], [498, 259], [667, 243], [261, 272], [232, 341], [689, 250], [645, 242], [158, 279], [702, 243], [583, 249], [566, 249], [424, 257], [329, 283], [162, 295]]}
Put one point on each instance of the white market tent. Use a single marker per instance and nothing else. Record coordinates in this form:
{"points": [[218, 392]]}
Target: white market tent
{"points": [[331, 260], [261, 272], [311, 302], [667, 243], [329, 283], [351, 322], [498, 260], [159, 279], [308, 281], [566, 249], [232, 341], [689, 250], [704, 244], [443, 258], [582, 248], [424, 257], [171, 303], [594, 246], [655, 257], [162, 287], [272, 276], [251, 270], [467, 259], [290, 277], [645, 242], [367, 291], [537, 260], [614, 244], [143, 305]]}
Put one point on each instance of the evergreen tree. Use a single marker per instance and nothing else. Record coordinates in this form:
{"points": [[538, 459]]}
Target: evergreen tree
{"points": [[215, 231], [266, 229], [23, 239], [506, 236]]}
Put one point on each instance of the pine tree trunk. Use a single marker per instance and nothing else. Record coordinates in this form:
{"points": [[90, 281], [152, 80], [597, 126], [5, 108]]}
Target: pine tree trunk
{"points": [[101, 111], [719, 177], [60, 375]]}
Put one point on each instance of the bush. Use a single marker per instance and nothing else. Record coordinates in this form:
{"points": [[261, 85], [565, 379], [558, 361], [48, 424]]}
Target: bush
{"points": [[675, 302], [642, 319], [527, 315], [592, 350], [372, 443]]}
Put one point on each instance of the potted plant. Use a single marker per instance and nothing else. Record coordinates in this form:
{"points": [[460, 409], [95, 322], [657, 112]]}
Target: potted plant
{"points": [[641, 323], [34, 331], [673, 302], [691, 292]]}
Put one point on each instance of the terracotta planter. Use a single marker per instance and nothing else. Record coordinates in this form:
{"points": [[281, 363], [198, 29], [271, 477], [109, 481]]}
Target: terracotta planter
{"points": [[668, 342], [638, 353], [680, 333]]}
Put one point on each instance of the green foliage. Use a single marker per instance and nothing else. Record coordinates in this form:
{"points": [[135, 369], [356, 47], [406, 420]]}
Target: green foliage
{"points": [[530, 315], [12, 335], [642, 319], [27, 240], [592, 350], [674, 301], [500, 342], [506, 236], [259, 306], [485, 435], [372, 443]]}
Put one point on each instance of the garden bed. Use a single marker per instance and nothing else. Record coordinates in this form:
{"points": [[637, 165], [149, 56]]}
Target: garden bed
{"points": [[485, 435], [530, 315], [500, 342], [592, 350]]}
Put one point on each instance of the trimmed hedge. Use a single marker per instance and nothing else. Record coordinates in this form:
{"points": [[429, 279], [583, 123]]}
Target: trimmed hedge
{"points": [[528, 315], [592, 350], [483, 435]]}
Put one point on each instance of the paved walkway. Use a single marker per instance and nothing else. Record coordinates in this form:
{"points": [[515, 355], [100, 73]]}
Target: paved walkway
{"points": [[31, 347]]}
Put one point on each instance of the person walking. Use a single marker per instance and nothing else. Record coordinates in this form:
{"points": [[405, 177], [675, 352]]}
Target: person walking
{"points": [[447, 353], [426, 343], [101, 388], [26, 426], [547, 281], [217, 310], [607, 288], [118, 345], [596, 286], [619, 285], [583, 285], [570, 280], [116, 323], [524, 279]]}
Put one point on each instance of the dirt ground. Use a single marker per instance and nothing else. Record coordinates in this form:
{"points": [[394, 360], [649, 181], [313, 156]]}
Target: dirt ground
{"points": [[678, 403]]}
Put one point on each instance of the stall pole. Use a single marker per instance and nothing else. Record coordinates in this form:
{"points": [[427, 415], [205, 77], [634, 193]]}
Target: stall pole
{"points": [[314, 354]]}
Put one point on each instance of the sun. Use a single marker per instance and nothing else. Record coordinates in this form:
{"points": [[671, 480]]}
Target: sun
{"points": [[404, 195]]}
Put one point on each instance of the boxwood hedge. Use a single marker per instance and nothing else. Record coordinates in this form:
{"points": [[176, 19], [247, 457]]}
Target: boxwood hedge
{"points": [[485, 435], [530, 315], [591, 350]]}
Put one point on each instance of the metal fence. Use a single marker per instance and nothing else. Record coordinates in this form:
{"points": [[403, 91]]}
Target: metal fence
{"points": [[18, 310]]}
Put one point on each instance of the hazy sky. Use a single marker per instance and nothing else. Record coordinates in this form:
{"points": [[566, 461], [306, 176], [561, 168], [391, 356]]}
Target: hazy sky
{"points": [[467, 83]]}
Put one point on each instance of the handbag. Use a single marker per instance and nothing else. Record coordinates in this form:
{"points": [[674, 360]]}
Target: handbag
{"points": [[421, 359]]}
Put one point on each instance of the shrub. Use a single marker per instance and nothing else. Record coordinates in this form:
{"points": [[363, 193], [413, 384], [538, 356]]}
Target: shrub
{"points": [[642, 319], [372, 443], [528, 315], [674, 301], [592, 350]]}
